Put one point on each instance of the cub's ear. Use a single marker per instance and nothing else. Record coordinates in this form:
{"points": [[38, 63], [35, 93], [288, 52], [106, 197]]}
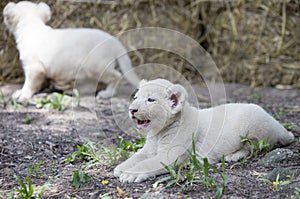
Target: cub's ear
{"points": [[142, 82], [177, 95], [9, 15], [44, 11]]}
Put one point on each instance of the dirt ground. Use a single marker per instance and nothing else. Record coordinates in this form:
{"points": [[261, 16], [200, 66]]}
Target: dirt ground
{"points": [[28, 135]]}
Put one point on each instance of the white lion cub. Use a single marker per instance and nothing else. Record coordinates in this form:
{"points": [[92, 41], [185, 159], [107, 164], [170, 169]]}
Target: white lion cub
{"points": [[160, 109], [64, 55]]}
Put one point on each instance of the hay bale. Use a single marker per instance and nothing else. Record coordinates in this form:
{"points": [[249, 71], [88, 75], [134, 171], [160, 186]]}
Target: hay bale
{"points": [[252, 42], [255, 42]]}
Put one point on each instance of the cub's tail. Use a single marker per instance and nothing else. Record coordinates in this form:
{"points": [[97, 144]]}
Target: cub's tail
{"points": [[126, 68], [286, 138]]}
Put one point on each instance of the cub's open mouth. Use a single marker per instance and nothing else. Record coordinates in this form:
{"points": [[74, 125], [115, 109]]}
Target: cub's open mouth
{"points": [[143, 123]]}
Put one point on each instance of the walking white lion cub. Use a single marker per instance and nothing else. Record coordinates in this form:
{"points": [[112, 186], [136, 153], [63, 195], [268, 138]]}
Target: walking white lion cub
{"points": [[64, 55], [160, 109]]}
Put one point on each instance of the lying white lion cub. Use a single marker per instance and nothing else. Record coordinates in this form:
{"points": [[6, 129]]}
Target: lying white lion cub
{"points": [[160, 108], [58, 54]]}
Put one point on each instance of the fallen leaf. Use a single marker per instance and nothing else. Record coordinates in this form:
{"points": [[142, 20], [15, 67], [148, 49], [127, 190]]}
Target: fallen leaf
{"points": [[104, 182], [120, 191]]}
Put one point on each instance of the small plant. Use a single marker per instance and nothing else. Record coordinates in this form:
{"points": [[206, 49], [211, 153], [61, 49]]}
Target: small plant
{"points": [[102, 155], [54, 101], [277, 183], [195, 171], [27, 120], [16, 104], [83, 153], [297, 192], [35, 169], [289, 126], [279, 114], [3, 102], [58, 101], [257, 146], [27, 191], [256, 97], [80, 178], [131, 145], [112, 155]]}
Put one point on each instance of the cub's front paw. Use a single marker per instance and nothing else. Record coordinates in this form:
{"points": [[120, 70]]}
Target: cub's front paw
{"points": [[21, 96], [17, 94], [106, 94], [117, 172], [133, 177]]}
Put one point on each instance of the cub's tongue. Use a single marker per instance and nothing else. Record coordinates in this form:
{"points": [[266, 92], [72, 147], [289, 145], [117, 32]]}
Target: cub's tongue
{"points": [[143, 124]]}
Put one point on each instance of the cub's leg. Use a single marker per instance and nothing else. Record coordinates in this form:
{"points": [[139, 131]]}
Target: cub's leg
{"points": [[235, 156], [143, 154], [129, 163], [110, 78], [34, 78]]}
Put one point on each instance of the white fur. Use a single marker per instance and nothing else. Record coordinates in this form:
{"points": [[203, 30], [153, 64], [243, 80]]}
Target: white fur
{"points": [[58, 54], [218, 131]]}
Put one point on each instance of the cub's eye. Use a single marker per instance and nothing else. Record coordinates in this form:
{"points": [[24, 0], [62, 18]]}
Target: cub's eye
{"points": [[133, 97], [151, 100]]}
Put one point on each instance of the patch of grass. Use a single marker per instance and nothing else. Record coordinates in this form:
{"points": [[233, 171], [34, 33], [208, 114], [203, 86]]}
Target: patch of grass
{"points": [[289, 126], [35, 169], [277, 183], [131, 145], [83, 153], [195, 171], [80, 178], [257, 146], [16, 104], [3, 102], [93, 154], [279, 114], [256, 97], [27, 120], [58, 101], [297, 192], [26, 189]]}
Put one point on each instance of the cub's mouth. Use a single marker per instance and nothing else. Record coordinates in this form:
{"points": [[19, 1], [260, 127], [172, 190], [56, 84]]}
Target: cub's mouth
{"points": [[141, 124]]}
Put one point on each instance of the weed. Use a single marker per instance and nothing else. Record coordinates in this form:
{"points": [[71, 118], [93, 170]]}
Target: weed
{"points": [[83, 153], [297, 192], [112, 155], [131, 145], [80, 178], [102, 155], [3, 102], [256, 97], [27, 120], [35, 169], [277, 183], [289, 126], [27, 191], [195, 171], [279, 114], [57, 101], [257, 146], [16, 104]]}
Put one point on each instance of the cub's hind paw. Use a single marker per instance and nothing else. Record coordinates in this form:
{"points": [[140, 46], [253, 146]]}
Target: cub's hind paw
{"points": [[235, 156]]}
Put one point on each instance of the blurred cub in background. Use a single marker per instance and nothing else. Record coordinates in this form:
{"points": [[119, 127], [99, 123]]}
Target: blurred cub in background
{"points": [[63, 56]]}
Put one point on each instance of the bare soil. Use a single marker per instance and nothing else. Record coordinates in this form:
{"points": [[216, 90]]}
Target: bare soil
{"points": [[28, 135]]}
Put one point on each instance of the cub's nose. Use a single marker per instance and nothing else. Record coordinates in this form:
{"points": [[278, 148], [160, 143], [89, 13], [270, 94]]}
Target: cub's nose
{"points": [[133, 111]]}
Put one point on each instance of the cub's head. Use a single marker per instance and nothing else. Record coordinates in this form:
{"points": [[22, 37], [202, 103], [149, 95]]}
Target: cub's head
{"points": [[156, 103], [15, 13]]}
